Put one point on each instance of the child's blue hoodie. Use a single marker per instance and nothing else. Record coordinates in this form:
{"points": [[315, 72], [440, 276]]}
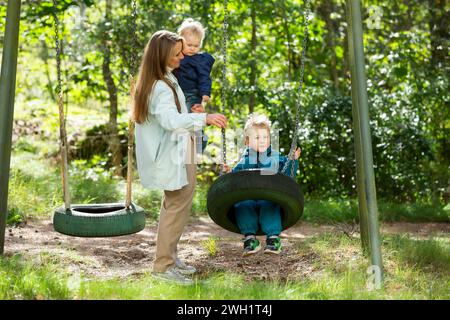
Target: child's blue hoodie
{"points": [[270, 160]]}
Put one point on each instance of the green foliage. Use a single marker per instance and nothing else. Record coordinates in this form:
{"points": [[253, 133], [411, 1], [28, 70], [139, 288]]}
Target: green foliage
{"points": [[148, 199], [332, 210], [413, 212], [210, 246], [406, 71], [94, 147], [23, 144], [33, 189], [325, 138], [24, 279], [92, 184], [200, 196], [14, 217]]}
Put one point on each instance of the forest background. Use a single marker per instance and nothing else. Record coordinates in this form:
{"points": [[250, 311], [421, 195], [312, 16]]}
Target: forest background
{"points": [[407, 64]]}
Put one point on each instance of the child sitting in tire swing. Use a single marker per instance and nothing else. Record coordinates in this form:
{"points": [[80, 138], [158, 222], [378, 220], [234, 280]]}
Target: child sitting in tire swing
{"points": [[250, 214]]}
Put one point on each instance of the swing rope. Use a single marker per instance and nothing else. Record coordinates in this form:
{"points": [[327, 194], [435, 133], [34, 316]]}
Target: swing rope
{"points": [[62, 120], [130, 119]]}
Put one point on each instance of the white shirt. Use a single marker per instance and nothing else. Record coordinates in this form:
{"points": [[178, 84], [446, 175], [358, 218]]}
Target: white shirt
{"points": [[162, 141]]}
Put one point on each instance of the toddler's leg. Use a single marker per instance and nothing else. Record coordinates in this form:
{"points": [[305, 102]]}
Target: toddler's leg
{"points": [[270, 220], [270, 217], [247, 217], [192, 97], [201, 140]]}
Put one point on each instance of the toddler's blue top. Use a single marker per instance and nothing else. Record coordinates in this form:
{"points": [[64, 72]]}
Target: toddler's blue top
{"points": [[194, 73]]}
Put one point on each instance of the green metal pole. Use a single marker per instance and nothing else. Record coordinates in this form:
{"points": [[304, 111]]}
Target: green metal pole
{"points": [[7, 93], [368, 210], [363, 216]]}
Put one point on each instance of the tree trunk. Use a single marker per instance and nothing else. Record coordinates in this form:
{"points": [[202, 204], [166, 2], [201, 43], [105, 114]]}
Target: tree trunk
{"points": [[113, 139], [439, 33], [253, 71], [346, 60], [288, 38], [439, 64], [325, 10]]}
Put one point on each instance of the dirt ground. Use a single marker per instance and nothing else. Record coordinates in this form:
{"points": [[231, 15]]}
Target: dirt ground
{"points": [[132, 255]]}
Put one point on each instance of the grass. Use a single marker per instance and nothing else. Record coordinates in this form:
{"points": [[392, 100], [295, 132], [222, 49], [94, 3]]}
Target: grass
{"points": [[229, 286], [33, 190], [346, 211], [432, 255], [414, 269], [24, 279]]}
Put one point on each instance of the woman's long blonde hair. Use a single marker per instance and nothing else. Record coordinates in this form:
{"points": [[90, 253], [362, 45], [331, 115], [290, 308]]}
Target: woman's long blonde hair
{"points": [[153, 67]]}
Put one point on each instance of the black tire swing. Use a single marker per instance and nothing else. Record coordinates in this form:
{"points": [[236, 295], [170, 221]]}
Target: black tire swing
{"points": [[93, 220], [280, 188]]}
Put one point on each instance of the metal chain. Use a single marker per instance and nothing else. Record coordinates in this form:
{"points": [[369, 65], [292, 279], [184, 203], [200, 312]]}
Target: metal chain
{"points": [[62, 121], [297, 114], [224, 78]]}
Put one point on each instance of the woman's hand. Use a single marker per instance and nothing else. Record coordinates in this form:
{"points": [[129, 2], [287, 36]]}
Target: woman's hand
{"points": [[205, 98], [198, 108], [216, 119]]}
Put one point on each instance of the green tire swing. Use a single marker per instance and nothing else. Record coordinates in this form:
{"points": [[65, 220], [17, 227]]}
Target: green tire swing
{"points": [[280, 188], [99, 220], [93, 220]]}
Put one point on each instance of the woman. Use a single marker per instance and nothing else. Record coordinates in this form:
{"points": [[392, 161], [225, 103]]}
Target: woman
{"points": [[164, 147]]}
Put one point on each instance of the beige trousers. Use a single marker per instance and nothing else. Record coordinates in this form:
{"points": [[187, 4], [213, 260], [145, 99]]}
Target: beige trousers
{"points": [[174, 214]]}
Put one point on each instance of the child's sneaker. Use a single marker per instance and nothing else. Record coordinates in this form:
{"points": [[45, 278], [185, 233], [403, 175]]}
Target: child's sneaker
{"points": [[273, 245], [251, 246]]}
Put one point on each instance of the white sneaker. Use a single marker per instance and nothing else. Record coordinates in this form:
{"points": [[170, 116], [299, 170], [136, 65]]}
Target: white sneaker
{"points": [[173, 275], [184, 268]]}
